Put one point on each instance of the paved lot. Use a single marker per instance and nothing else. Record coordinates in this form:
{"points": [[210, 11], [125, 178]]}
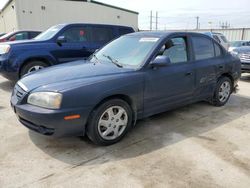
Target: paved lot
{"points": [[195, 146]]}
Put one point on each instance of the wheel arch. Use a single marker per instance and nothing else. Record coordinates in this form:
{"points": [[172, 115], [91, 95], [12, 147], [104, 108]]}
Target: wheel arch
{"points": [[26, 61], [227, 75], [123, 97]]}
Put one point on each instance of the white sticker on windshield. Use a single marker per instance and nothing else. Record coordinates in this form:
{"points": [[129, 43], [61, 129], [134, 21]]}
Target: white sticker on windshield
{"points": [[148, 39]]}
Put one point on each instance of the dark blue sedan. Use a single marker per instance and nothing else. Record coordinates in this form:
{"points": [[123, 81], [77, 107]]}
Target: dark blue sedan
{"points": [[133, 77]]}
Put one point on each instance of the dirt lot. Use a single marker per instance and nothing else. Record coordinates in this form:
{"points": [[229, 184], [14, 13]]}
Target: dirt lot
{"points": [[195, 146]]}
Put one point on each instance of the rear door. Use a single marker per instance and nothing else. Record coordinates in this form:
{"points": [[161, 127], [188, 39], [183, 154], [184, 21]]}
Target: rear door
{"points": [[76, 45], [209, 63], [101, 35]]}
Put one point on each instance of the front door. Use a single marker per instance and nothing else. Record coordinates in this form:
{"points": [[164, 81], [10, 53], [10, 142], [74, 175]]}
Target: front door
{"points": [[173, 84], [76, 45]]}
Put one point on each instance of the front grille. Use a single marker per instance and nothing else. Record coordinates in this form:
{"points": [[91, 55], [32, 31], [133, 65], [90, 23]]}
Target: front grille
{"points": [[19, 92], [245, 57]]}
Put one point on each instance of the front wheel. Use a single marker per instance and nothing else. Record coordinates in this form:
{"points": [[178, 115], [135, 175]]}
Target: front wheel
{"points": [[32, 67], [222, 92], [110, 122]]}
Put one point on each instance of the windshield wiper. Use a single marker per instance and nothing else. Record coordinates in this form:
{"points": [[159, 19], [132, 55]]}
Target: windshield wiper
{"points": [[114, 61]]}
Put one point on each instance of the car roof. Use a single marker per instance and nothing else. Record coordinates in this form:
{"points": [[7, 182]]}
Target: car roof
{"points": [[94, 24], [162, 34]]}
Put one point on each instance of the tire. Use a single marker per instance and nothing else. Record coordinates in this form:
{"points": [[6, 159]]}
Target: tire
{"points": [[32, 66], [110, 122], [221, 96]]}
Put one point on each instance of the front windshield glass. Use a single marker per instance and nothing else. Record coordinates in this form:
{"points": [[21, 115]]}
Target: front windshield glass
{"points": [[126, 51], [49, 33], [236, 44]]}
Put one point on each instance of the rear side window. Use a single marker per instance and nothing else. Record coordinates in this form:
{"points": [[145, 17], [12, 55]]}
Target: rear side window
{"points": [[124, 31], [76, 34], [102, 35], [33, 35], [203, 48], [246, 44], [217, 50]]}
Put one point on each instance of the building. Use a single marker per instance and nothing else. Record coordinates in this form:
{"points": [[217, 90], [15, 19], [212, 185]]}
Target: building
{"points": [[42, 14]]}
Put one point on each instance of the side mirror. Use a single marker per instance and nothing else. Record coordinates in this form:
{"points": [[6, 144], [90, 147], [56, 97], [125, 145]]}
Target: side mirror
{"points": [[61, 39], [160, 61]]}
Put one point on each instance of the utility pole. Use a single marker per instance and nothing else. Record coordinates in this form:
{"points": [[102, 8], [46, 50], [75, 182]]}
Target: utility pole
{"points": [[197, 22], [156, 21], [151, 20]]}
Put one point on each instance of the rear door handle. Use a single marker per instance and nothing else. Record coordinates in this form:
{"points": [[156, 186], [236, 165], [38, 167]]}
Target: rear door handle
{"points": [[189, 74], [221, 67]]}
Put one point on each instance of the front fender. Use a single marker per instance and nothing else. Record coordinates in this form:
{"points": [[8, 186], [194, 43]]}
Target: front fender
{"points": [[92, 94], [19, 60]]}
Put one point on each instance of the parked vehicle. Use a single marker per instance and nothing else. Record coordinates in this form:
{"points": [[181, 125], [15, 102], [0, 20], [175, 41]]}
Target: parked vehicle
{"points": [[133, 77], [1, 34], [19, 35], [59, 44], [244, 54], [237, 44], [220, 38]]}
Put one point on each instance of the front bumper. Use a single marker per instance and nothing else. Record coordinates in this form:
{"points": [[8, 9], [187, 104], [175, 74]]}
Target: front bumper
{"points": [[6, 70], [51, 122], [245, 67]]}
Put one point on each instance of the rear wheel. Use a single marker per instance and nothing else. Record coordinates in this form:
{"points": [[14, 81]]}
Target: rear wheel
{"points": [[222, 92], [110, 122], [32, 67]]}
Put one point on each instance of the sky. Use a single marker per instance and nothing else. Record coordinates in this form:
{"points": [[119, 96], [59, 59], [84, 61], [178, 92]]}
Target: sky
{"points": [[180, 14]]}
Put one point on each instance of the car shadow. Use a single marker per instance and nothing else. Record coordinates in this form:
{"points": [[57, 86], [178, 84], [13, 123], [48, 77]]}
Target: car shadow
{"points": [[245, 77], [7, 85], [149, 135]]}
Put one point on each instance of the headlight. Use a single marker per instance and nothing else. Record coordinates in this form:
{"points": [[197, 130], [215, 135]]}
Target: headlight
{"points": [[234, 53], [4, 49], [50, 100]]}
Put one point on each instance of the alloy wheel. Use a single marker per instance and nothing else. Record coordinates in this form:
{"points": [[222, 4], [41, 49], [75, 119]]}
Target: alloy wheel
{"points": [[113, 123], [224, 91]]}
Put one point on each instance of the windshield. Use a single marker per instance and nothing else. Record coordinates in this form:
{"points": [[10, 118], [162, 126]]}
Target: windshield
{"points": [[236, 44], [126, 51], [49, 33]]}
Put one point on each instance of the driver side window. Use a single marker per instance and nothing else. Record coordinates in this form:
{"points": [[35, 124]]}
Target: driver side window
{"points": [[76, 35], [175, 49]]}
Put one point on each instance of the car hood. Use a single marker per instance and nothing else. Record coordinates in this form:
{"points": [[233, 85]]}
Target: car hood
{"points": [[22, 42], [244, 49], [68, 75]]}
